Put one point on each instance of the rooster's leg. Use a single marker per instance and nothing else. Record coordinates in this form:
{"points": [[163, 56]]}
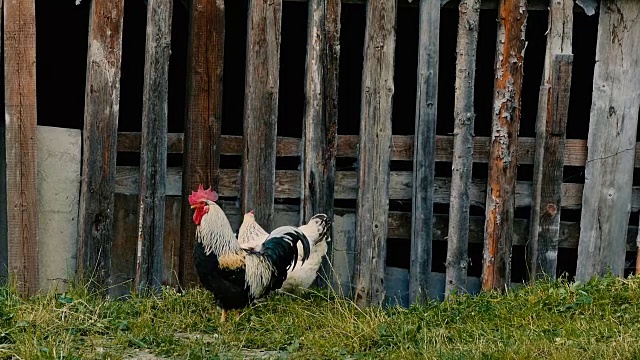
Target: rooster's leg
{"points": [[237, 313], [223, 318]]}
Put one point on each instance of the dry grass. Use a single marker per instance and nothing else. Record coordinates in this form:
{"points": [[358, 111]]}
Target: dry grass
{"points": [[551, 320]]}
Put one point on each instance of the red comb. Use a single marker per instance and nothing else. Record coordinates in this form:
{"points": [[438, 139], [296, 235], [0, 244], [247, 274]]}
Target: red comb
{"points": [[202, 194], [251, 212]]}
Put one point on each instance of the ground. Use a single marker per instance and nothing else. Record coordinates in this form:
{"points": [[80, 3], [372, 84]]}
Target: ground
{"points": [[554, 320]]}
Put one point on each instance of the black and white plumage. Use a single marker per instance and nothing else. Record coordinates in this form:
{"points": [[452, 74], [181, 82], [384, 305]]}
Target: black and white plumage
{"points": [[234, 275]]}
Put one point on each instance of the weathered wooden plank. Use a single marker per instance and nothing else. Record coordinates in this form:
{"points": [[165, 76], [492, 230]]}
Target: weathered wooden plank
{"points": [[287, 186], [424, 149], [575, 153], [612, 137], [319, 135], [261, 109], [4, 255], [553, 110], [512, 19], [20, 122], [153, 153], [374, 156], [464, 113], [553, 106], [535, 5], [204, 116], [102, 100]]}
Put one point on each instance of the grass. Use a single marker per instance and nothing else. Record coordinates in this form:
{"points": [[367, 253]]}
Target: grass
{"points": [[552, 320]]}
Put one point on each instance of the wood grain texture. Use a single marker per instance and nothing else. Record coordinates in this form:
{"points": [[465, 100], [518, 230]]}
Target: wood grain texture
{"points": [[575, 153], [496, 268], [261, 109], [319, 134], [424, 149], [201, 158], [537, 5], [457, 246], [102, 101], [20, 121], [542, 252], [547, 180], [375, 152], [612, 137], [153, 152]]}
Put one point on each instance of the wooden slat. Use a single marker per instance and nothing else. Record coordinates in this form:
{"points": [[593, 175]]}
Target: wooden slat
{"points": [[153, 154], [204, 116], [424, 149], [553, 106], [496, 268], [261, 109], [575, 153], [319, 135], [547, 181], [102, 99], [287, 186], [612, 136], [20, 122], [374, 156], [536, 5], [457, 246]]}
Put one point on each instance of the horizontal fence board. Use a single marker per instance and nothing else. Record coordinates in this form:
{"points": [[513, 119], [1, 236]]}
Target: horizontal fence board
{"points": [[399, 225], [288, 187], [401, 147], [538, 5]]}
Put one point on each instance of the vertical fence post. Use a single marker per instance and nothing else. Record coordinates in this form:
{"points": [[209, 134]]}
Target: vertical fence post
{"points": [[153, 149], [319, 135], [458, 234], [496, 267], [102, 100], [203, 120], [424, 157], [553, 108], [21, 144], [606, 200], [375, 152], [261, 109]]}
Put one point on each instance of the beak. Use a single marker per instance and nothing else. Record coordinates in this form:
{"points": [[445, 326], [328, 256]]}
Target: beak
{"points": [[194, 206]]}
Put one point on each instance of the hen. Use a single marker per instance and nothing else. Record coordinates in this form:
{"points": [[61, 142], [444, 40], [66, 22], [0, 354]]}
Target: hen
{"points": [[234, 275], [252, 236]]}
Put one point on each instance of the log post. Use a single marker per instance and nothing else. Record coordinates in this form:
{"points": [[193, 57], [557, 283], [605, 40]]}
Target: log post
{"points": [[458, 234], [201, 157], [153, 151], [424, 150], [500, 206], [319, 135], [21, 144], [102, 100], [374, 155], [261, 109], [606, 200]]}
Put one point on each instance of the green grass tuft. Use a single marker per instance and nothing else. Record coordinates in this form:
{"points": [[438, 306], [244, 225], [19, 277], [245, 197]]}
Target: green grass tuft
{"points": [[551, 320]]}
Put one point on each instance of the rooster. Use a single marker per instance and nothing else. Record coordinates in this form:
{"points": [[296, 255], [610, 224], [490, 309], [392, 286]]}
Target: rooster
{"points": [[252, 236], [234, 275]]}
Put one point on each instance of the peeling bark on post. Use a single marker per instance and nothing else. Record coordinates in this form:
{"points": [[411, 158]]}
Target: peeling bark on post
{"points": [[102, 101], [203, 118], [319, 136], [606, 201], [261, 109], [424, 158], [458, 234], [153, 152], [553, 107], [374, 156], [20, 137], [496, 267]]}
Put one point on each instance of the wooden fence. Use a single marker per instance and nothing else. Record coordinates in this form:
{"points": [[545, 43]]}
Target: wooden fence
{"points": [[134, 225]]}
